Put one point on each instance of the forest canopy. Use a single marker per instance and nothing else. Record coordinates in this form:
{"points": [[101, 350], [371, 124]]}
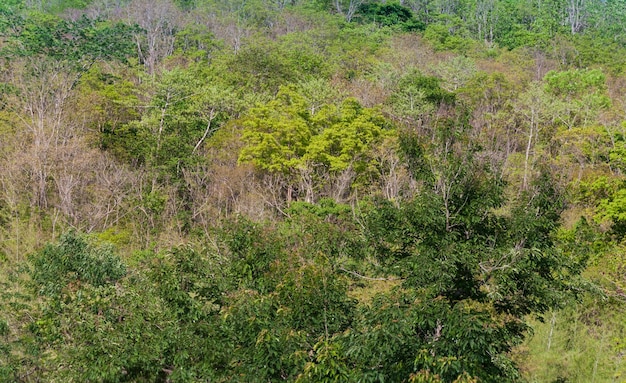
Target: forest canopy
{"points": [[312, 191]]}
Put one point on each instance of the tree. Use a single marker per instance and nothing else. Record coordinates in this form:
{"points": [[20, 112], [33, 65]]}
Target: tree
{"points": [[417, 97], [184, 112], [388, 14], [344, 135], [533, 105], [576, 15], [79, 42], [45, 58], [74, 261], [278, 133], [113, 324], [486, 15], [329, 148], [159, 22], [346, 8], [579, 95], [469, 279], [42, 89]]}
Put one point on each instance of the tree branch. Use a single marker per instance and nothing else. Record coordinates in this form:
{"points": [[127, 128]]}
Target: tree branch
{"points": [[368, 278]]}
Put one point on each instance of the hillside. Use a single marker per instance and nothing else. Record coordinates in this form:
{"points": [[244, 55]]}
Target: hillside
{"points": [[312, 191]]}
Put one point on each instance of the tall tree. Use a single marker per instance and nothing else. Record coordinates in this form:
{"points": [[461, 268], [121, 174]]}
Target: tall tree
{"points": [[159, 22]]}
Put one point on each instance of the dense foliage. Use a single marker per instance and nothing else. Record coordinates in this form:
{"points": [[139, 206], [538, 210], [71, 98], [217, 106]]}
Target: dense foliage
{"points": [[312, 191]]}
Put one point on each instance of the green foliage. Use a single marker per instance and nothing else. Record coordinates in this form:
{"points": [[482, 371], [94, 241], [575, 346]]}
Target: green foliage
{"points": [[252, 250], [81, 42], [576, 83], [406, 334], [418, 96], [578, 344], [329, 366], [351, 47], [465, 268], [438, 283], [58, 6], [188, 282], [263, 65], [612, 208], [284, 137], [113, 102], [268, 347], [431, 86], [276, 324], [112, 335], [601, 188], [387, 15], [158, 323], [345, 136], [617, 154], [277, 134], [589, 145], [74, 261], [12, 5], [184, 112], [195, 41], [593, 49], [326, 208], [316, 299], [326, 232], [448, 34]]}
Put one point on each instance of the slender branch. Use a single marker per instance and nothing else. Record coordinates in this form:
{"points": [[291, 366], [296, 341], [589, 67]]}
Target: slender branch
{"points": [[206, 131], [368, 278]]}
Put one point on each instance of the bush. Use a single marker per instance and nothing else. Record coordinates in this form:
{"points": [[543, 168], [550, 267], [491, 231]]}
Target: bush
{"points": [[73, 260]]}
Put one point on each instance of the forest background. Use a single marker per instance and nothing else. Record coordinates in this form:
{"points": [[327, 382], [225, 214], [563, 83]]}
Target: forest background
{"points": [[312, 191]]}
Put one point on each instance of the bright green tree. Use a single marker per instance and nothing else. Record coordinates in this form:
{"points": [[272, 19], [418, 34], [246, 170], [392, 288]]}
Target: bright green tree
{"points": [[329, 148], [278, 133]]}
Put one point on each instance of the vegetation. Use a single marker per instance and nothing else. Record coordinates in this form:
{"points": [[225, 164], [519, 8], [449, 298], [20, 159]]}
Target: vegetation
{"points": [[312, 191]]}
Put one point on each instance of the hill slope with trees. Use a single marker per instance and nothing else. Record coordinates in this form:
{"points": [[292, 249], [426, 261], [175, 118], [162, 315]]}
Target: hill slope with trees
{"points": [[312, 191]]}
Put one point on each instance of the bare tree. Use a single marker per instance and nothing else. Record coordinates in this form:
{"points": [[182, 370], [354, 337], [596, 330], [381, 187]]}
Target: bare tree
{"points": [[486, 19], [532, 106], [576, 15], [52, 166], [347, 8], [394, 177], [91, 189], [43, 87], [160, 19]]}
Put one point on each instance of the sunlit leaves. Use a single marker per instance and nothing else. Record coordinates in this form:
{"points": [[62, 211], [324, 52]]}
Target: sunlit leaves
{"points": [[284, 136], [278, 133], [348, 138]]}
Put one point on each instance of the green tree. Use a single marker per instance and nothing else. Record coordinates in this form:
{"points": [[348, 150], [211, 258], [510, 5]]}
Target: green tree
{"points": [[80, 42], [579, 95], [346, 141], [278, 133], [417, 97], [184, 111], [388, 14], [287, 302], [329, 148], [448, 33], [74, 260], [467, 267]]}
